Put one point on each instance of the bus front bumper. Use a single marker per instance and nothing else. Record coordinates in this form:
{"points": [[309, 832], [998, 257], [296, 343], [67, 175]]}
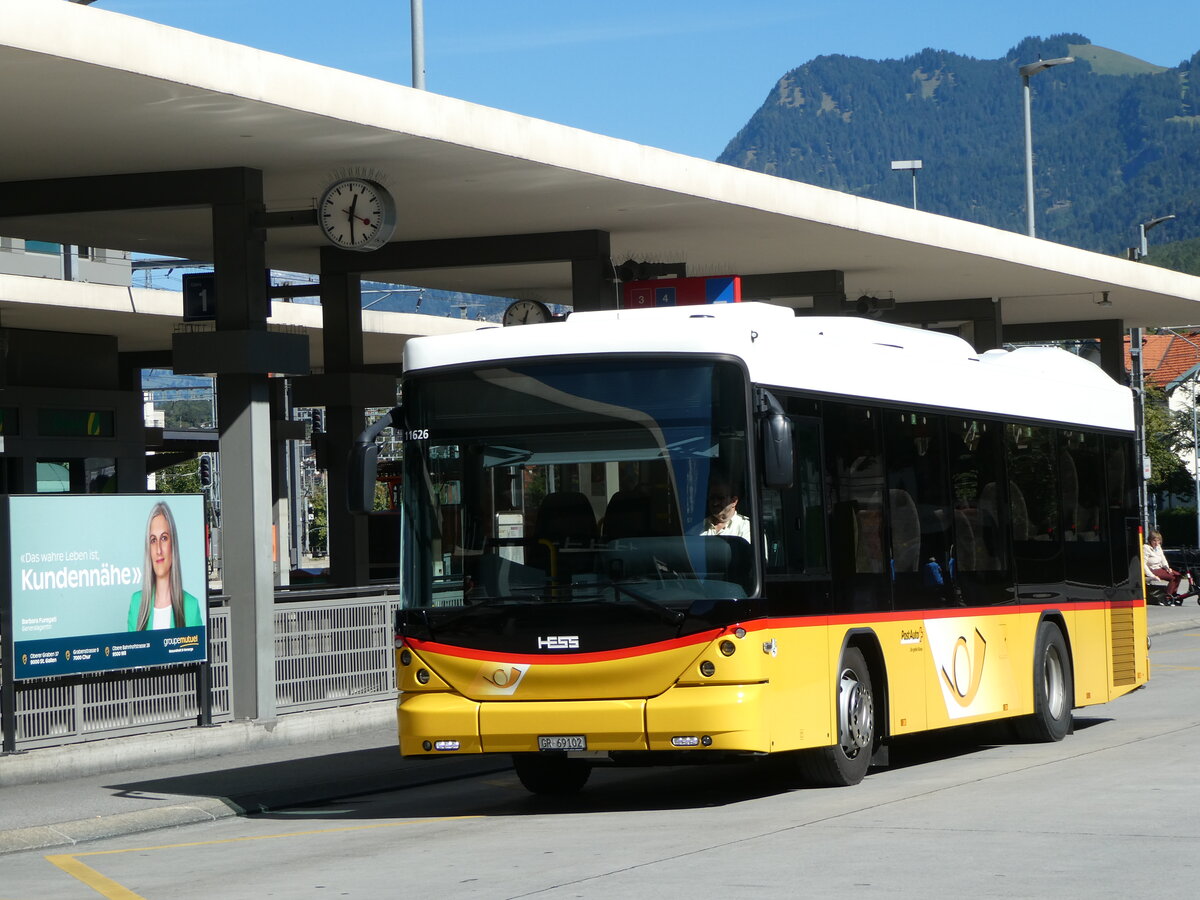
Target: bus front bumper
{"points": [[708, 717]]}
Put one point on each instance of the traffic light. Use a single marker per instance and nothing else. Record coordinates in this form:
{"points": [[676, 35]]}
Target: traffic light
{"points": [[317, 417], [205, 471]]}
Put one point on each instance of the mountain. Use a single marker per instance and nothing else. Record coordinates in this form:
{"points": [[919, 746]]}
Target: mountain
{"points": [[1116, 139]]}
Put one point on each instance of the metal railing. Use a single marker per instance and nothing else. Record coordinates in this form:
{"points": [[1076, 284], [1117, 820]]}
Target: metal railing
{"points": [[327, 653]]}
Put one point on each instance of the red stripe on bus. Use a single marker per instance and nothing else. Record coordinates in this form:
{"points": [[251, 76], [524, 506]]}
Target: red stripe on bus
{"points": [[558, 659], [763, 625]]}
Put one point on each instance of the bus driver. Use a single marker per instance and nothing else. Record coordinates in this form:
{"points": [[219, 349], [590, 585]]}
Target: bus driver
{"points": [[723, 517]]}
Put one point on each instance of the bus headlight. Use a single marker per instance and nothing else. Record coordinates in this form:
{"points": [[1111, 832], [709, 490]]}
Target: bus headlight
{"points": [[423, 676], [728, 648], [707, 669]]}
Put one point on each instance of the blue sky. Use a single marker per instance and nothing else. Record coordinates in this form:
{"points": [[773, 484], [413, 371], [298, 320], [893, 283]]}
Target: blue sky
{"points": [[680, 75]]}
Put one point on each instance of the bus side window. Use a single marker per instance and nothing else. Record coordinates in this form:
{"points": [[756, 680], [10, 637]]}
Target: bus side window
{"points": [[1033, 474], [858, 557], [982, 574], [922, 554], [1085, 529], [794, 530], [1121, 487], [794, 519]]}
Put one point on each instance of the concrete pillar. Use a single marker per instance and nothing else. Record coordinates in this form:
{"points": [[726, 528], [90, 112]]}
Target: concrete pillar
{"points": [[243, 413], [592, 286], [341, 303]]}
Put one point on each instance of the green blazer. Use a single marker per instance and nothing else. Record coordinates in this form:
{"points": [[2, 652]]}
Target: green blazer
{"points": [[192, 616]]}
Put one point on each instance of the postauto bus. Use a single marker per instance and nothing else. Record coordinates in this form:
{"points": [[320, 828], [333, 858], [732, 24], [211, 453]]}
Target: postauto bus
{"points": [[685, 534]]}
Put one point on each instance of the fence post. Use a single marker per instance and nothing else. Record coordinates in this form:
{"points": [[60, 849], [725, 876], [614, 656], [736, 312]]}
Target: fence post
{"points": [[204, 692]]}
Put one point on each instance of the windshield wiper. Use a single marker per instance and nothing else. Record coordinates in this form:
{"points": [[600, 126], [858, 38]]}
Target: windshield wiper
{"points": [[668, 615]]}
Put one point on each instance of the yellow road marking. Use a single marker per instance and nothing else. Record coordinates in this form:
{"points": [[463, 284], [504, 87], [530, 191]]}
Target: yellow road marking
{"points": [[110, 889], [101, 884]]}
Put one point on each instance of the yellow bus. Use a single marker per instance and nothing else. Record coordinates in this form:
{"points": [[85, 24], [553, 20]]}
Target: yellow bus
{"points": [[685, 534]]}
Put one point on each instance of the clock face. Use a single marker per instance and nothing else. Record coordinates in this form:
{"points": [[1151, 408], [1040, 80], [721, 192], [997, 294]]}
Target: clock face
{"points": [[526, 312], [357, 214]]}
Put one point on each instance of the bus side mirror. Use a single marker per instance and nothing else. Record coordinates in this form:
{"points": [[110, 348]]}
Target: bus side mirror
{"points": [[775, 438], [777, 451], [363, 463]]}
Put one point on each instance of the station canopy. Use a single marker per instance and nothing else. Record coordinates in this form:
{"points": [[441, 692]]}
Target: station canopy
{"points": [[94, 93]]}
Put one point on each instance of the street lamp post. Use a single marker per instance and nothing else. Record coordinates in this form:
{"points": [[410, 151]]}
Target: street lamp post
{"points": [[911, 165], [1143, 249], [1139, 396], [1027, 72], [418, 44]]}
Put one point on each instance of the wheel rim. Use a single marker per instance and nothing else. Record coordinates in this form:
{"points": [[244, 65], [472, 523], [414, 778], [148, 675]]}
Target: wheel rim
{"points": [[856, 719], [1055, 683]]}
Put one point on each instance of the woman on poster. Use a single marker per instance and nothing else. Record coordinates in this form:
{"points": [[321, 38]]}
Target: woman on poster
{"points": [[162, 602]]}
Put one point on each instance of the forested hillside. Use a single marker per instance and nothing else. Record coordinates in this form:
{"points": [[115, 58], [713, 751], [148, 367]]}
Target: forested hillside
{"points": [[1116, 139]]}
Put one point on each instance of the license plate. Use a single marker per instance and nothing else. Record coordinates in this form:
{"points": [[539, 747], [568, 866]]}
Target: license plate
{"points": [[562, 742]]}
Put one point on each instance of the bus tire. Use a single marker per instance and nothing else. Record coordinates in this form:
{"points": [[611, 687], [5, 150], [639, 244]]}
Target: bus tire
{"points": [[846, 762], [550, 774], [1053, 689]]}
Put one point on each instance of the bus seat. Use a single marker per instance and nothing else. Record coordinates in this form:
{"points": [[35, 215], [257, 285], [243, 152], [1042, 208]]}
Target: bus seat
{"points": [[964, 540], [565, 522], [565, 518], [1022, 529], [906, 531], [629, 514]]}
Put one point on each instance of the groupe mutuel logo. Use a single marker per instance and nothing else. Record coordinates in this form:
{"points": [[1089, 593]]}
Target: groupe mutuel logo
{"points": [[559, 642]]}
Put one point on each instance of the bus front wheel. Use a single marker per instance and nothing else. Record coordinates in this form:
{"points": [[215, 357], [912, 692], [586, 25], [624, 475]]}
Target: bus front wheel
{"points": [[548, 773], [1053, 689], [846, 762]]}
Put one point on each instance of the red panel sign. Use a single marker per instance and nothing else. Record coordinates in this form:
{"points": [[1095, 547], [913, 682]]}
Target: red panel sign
{"points": [[682, 291]]}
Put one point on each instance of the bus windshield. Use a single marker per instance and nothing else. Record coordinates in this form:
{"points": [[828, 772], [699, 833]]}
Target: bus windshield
{"points": [[596, 481]]}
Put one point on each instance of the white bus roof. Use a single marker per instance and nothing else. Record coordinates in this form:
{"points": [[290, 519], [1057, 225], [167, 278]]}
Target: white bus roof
{"points": [[843, 356]]}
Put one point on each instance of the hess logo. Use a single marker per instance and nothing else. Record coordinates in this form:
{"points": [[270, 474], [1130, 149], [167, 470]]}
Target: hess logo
{"points": [[559, 642]]}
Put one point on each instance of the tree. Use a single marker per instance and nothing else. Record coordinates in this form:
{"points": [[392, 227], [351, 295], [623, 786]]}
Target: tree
{"points": [[318, 520], [183, 478], [1167, 434]]}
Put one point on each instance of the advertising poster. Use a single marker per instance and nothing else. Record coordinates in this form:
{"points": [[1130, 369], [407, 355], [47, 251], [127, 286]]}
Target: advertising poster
{"points": [[104, 582]]}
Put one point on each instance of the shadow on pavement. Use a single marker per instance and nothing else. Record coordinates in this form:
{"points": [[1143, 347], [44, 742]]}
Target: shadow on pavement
{"points": [[310, 780]]}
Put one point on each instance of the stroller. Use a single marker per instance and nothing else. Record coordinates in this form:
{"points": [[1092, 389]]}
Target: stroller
{"points": [[1185, 561]]}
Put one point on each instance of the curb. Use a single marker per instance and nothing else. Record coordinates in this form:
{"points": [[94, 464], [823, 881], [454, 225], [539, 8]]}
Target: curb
{"points": [[1171, 626], [209, 809], [41, 837], [118, 754]]}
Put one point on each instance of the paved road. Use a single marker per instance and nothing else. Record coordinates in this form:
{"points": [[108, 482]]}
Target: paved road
{"points": [[1110, 812]]}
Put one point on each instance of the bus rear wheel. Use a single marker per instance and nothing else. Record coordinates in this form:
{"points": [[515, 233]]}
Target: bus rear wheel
{"points": [[550, 774], [846, 762], [1053, 689]]}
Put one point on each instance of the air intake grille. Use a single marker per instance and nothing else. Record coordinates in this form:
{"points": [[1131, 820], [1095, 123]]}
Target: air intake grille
{"points": [[1124, 658]]}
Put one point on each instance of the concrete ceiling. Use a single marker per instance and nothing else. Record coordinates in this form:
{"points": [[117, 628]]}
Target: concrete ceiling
{"points": [[98, 93]]}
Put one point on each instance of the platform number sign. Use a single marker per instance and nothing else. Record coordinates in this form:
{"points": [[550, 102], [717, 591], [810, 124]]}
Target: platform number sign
{"points": [[199, 297]]}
